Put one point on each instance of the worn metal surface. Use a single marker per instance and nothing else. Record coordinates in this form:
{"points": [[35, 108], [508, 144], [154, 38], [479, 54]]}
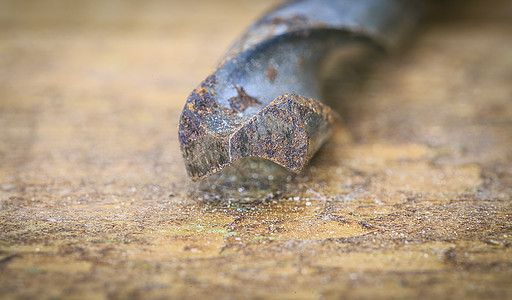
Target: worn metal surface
{"points": [[411, 198], [262, 101]]}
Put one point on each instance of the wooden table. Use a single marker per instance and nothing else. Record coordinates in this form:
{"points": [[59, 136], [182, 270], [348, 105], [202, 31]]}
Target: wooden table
{"points": [[410, 199]]}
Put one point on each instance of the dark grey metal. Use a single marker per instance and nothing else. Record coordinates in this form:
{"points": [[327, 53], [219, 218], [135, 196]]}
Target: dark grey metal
{"points": [[259, 102]]}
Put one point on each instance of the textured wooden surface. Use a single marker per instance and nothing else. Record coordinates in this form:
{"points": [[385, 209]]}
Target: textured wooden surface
{"points": [[412, 198]]}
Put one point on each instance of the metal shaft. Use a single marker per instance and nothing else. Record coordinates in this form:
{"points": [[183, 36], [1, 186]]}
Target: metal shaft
{"points": [[262, 101]]}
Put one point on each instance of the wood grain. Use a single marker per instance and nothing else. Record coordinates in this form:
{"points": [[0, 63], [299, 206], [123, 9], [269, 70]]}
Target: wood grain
{"points": [[410, 199]]}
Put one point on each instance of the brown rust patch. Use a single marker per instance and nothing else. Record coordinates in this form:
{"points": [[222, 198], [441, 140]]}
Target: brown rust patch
{"points": [[271, 74], [293, 23], [242, 101], [302, 62]]}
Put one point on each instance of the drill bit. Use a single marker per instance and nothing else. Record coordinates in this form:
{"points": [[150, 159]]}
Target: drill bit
{"points": [[260, 104]]}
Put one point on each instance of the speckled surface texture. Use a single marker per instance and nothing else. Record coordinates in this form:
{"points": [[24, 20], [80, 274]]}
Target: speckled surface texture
{"points": [[410, 199]]}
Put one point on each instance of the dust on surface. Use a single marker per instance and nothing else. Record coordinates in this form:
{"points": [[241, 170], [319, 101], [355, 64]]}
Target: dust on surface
{"points": [[410, 198]]}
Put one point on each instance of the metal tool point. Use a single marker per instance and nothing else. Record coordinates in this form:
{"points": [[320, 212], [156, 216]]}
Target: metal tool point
{"points": [[259, 103]]}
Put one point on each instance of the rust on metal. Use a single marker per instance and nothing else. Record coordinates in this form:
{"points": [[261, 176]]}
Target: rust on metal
{"points": [[271, 74], [242, 100], [261, 103]]}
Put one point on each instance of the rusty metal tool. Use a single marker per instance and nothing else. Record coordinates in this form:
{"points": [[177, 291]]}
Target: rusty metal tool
{"points": [[260, 104]]}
